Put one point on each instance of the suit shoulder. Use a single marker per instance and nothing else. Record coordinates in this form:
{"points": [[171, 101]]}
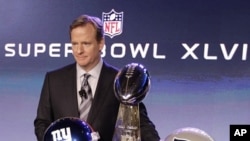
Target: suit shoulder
{"points": [[63, 69], [110, 68]]}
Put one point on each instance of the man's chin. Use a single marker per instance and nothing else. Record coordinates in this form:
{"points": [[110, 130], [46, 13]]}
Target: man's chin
{"points": [[82, 64]]}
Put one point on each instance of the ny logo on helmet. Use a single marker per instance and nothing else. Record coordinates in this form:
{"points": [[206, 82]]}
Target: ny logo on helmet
{"points": [[62, 134], [112, 23]]}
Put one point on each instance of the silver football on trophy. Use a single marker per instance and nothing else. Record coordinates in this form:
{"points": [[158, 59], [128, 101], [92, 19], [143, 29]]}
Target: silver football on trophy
{"points": [[132, 84]]}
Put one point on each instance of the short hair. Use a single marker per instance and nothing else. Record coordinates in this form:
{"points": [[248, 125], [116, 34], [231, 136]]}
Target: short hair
{"points": [[85, 19]]}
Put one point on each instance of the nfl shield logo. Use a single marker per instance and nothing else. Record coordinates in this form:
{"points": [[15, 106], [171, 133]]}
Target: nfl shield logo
{"points": [[112, 23]]}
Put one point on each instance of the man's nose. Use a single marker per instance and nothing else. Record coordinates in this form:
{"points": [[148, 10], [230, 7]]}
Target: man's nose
{"points": [[80, 49]]}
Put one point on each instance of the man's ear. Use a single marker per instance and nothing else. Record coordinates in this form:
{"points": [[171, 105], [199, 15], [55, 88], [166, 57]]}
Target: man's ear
{"points": [[101, 44]]}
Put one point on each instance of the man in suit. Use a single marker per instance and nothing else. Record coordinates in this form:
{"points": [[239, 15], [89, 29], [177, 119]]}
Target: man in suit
{"points": [[60, 92]]}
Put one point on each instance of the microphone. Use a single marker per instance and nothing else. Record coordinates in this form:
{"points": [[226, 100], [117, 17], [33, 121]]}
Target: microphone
{"points": [[83, 93]]}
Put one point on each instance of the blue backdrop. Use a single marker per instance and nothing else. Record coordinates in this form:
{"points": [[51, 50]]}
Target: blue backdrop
{"points": [[197, 53]]}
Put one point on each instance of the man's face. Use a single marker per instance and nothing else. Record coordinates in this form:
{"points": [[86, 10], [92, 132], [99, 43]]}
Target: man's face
{"points": [[86, 49]]}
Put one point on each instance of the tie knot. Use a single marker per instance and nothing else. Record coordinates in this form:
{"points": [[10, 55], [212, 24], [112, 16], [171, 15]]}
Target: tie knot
{"points": [[85, 79], [86, 76]]}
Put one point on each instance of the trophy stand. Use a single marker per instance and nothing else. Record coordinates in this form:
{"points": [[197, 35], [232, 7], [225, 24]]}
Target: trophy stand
{"points": [[128, 124]]}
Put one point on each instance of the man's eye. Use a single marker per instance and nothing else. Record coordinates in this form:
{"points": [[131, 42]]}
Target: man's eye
{"points": [[86, 44], [74, 44]]}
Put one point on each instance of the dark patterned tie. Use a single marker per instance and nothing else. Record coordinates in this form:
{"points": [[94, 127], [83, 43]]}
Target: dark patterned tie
{"points": [[86, 96]]}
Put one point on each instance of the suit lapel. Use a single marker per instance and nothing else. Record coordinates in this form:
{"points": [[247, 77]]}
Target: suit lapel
{"points": [[73, 91], [100, 95]]}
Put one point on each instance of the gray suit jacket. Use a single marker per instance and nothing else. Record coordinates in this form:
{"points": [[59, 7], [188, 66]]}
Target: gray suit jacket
{"points": [[58, 99]]}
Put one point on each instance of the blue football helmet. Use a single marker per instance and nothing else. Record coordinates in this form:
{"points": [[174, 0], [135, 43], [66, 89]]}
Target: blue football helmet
{"points": [[70, 129]]}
